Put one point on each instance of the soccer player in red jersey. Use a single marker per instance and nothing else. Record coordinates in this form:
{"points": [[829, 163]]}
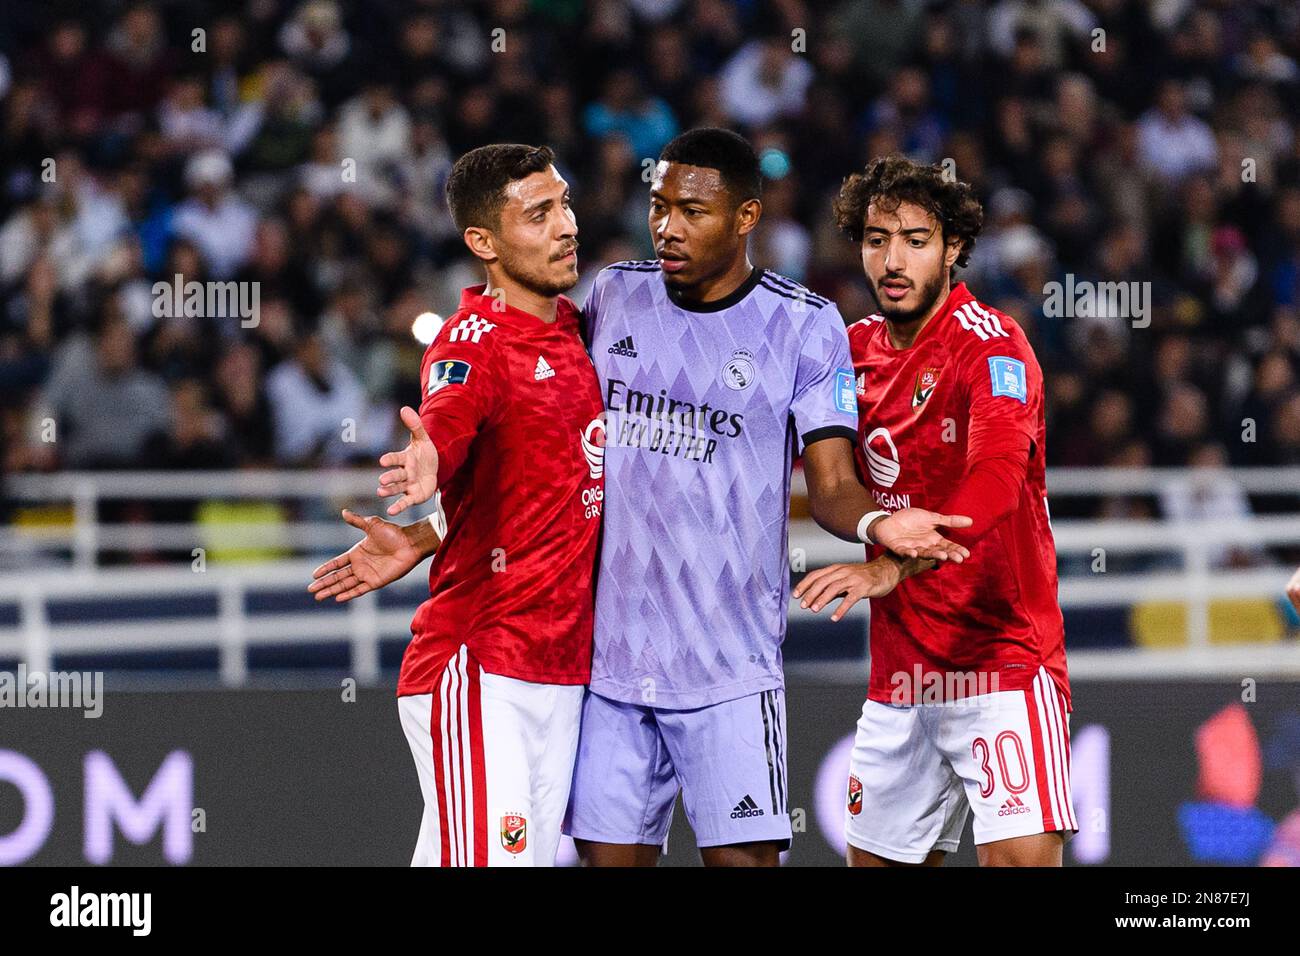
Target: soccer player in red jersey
{"points": [[969, 700], [510, 434]]}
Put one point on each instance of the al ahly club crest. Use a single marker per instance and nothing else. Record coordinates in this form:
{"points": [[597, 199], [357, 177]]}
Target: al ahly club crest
{"points": [[925, 383], [514, 833]]}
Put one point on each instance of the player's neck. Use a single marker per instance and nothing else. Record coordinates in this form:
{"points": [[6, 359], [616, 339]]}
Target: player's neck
{"points": [[721, 286], [903, 333], [521, 297]]}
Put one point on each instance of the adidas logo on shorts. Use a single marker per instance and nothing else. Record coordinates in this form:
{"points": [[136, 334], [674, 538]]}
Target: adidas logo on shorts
{"points": [[746, 808], [1012, 807]]}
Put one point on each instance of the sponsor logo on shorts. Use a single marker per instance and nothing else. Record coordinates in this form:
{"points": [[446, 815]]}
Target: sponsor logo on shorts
{"points": [[514, 833], [1012, 807], [855, 795], [746, 808]]}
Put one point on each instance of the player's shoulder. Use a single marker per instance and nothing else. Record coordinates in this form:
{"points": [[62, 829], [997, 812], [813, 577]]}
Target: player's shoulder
{"points": [[468, 338], [796, 295], [978, 329], [862, 331], [626, 277], [630, 271], [472, 327], [633, 265]]}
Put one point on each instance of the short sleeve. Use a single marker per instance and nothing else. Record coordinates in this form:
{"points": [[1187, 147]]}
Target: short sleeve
{"points": [[825, 403]]}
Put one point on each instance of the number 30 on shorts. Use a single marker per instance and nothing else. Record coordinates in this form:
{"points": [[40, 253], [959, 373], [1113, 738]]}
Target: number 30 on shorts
{"points": [[1010, 755]]}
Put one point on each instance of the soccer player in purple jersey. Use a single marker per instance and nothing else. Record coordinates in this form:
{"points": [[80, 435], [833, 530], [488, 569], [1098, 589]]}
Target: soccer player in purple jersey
{"points": [[714, 374]]}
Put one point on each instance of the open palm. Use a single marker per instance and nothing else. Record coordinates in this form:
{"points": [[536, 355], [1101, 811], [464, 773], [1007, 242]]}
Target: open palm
{"points": [[413, 471], [911, 533], [381, 557]]}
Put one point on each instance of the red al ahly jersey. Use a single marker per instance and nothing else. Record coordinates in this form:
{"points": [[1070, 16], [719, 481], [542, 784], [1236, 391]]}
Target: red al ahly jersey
{"points": [[955, 424], [513, 406]]}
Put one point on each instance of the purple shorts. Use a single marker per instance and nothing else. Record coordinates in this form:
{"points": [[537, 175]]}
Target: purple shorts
{"points": [[727, 760]]}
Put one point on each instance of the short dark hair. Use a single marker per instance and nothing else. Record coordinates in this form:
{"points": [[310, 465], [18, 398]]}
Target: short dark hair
{"points": [[476, 188], [721, 149], [890, 181]]}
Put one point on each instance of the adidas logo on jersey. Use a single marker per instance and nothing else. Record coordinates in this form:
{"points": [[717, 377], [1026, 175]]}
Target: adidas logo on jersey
{"points": [[624, 346], [1012, 807], [746, 808], [543, 370]]}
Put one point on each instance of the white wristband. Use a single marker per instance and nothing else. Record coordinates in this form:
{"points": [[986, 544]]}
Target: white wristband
{"points": [[438, 517], [865, 523]]}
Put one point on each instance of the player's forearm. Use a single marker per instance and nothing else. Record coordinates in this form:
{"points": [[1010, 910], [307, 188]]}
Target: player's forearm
{"points": [[989, 494], [839, 508], [909, 567]]}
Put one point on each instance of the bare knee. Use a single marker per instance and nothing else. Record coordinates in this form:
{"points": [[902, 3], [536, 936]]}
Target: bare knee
{"points": [[1039, 849], [860, 857], [616, 854], [762, 853]]}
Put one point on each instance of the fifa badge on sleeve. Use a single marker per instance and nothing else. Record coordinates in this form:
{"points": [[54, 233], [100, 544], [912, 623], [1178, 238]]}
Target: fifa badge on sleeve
{"points": [[1008, 376]]}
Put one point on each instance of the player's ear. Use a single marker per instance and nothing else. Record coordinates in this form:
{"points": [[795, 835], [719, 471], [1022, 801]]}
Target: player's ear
{"points": [[747, 215], [951, 253], [481, 242]]}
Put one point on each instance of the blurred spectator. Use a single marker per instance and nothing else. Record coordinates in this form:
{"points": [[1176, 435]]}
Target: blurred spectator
{"points": [[214, 217], [1055, 24], [307, 147], [137, 67], [106, 407], [317, 406], [374, 133], [1171, 140], [1211, 496], [645, 122], [765, 81]]}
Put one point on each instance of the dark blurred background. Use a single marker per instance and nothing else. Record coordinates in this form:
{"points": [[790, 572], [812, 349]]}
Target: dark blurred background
{"points": [[1106, 138]]}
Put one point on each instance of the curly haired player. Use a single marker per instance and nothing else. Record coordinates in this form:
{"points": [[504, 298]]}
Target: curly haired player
{"points": [[969, 700]]}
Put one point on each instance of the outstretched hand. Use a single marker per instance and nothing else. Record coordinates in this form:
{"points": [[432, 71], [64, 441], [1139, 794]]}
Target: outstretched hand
{"points": [[910, 533], [413, 471], [381, 557], [852, 581]]}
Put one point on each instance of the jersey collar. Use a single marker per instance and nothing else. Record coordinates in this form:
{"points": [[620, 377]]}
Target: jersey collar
{"points": [[472, 299], [717, 305], [958, 296]]}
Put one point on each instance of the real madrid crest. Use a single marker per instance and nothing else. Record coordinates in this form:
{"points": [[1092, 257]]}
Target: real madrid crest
{"points": [[739, 371]]}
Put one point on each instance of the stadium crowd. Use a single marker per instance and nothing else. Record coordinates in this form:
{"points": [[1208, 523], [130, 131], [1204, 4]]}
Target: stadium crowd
{"points": [[304, 146]]}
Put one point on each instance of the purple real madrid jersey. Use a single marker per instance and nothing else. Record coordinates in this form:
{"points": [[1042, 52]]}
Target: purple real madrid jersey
{"points": [[704, 407]]}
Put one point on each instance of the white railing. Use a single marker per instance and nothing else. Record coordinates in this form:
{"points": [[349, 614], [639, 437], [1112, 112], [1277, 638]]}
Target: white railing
{"points": [[363, 624], [232, 630], [1196, 585], [87, 538], [1102, 482]]}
